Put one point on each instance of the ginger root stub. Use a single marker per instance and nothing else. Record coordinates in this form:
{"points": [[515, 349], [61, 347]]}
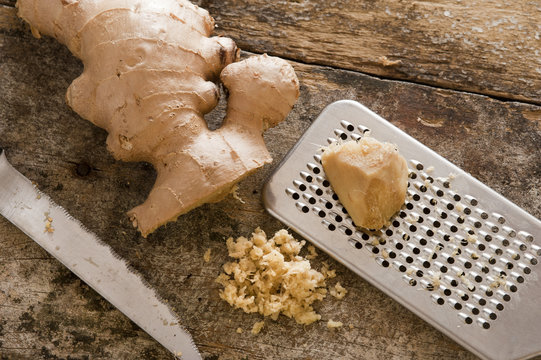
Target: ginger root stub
{"points": [[150, 69], [369, 177]]}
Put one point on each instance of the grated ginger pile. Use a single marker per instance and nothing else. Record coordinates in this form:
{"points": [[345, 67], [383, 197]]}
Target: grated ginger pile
{"points": [[269, 277]]}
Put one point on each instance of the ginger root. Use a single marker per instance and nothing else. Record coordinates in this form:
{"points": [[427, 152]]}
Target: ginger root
{"points": [[369, 177], [149, 76]]}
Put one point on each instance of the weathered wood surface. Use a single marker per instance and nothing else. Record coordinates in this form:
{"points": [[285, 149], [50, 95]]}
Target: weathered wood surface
{"points": [[47, 313], [491, 47]]}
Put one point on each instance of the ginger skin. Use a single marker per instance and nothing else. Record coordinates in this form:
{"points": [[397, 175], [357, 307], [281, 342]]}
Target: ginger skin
{"points": [[148, 79]]}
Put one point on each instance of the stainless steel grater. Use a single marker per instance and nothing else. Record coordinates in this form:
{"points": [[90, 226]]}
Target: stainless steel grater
{"points": [[458, 254]]}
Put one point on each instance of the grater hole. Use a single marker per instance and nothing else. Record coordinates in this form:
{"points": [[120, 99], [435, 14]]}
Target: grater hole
{"points": [[335, 197], [365, 236], [439, 193], [485, 325], [307, 177], [482, 302], [328, 205], [357, 245], [326, 183], [316, 170]]}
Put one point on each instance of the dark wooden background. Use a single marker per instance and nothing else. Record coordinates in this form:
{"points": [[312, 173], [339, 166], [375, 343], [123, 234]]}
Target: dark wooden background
{"points": [[464, 78]]}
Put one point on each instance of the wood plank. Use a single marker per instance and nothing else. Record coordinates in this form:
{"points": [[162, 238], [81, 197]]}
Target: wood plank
{"points": [[490, 47], [47, 313]]}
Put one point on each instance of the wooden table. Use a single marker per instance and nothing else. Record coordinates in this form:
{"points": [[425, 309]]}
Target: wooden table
{"points": [[462, 77]]}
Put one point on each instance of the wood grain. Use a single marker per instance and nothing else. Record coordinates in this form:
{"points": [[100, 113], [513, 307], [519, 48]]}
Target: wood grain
{"points": [[47, 313], [490, 47]]}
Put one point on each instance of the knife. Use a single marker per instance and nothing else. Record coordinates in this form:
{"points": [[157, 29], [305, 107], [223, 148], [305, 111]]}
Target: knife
{"points": [[90, 259]]}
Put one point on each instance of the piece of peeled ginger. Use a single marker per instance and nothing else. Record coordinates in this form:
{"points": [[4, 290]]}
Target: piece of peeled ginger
{"points": [[369, 177]]}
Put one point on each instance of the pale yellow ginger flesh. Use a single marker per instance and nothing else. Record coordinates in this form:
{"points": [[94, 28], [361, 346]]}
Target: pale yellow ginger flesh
{"points": [[270, 278], [149, 76], [369, 177], [338, 291], [207, 254], [331, 324], [258, 326]]}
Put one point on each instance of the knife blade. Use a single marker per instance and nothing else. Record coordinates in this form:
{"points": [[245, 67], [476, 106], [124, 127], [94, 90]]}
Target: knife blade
{"points": [[92, 260]]}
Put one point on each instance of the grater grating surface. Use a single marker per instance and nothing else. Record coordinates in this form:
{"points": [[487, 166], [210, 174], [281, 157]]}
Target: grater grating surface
{"points": [[459, 255]]}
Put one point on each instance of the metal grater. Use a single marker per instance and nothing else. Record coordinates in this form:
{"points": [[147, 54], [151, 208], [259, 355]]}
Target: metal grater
{"points": [[458, 254]]}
